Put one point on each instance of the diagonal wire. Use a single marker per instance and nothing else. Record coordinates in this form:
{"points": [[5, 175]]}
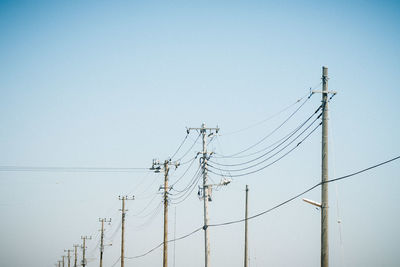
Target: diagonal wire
{"points": [[273, 131]]}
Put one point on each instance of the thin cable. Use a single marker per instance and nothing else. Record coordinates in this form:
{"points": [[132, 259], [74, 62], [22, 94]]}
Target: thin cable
{"points": [[172, 240], [278, 159], [191, 147], [180, 146], [177, 181], [268, 118], [306, 191], [363, 170], [150, 212], [189, 192], [145, 208], [116, 261], [273, 131], [151, 218], [258, 163], [271, 150], [189, 185], [268, 210], [276, 142], [68, 169]]}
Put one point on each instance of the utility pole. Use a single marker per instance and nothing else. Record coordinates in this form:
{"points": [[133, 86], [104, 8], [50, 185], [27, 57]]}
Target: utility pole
{"points": [[84, 238], [206, 188], [324, 174], [156, 166], [324, 169], [76, 255], [63, 260], [69, 256], [123, 210], [102, 239], [59, 263], [246, 248]]}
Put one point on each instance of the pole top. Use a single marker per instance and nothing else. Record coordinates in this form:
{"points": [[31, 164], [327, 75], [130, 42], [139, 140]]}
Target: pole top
{"points": [[324, 71]]}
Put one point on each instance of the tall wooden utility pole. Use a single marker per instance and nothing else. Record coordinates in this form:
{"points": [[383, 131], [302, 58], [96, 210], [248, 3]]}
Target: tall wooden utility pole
{"points": [[206, 188], [102, 220], [84, 238], [324, 172], [76, 255], [156, 166], [68, 256], [63, 260], [324, 169], [246, 248], [123, 210]]}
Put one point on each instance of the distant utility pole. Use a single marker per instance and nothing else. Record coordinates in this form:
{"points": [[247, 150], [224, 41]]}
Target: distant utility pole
{"points": [[84, 238], [246, 248], [63, 260], [123, 210], [156, 166], [206, 188], [76, 255], [59, 263], [68, 256], [102, 220], [324, 169]]}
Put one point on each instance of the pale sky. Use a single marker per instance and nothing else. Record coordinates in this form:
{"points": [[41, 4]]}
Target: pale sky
{"points": [[106, 84]]}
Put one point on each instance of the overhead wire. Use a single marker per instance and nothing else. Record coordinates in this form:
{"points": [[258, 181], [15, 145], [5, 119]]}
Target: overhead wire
{"points": [[190, 149], [189, 192], [187, 134], [151, 218], [273, 131], [282, 141], [272, 116], [148, 205], [265, 154], [187, 186], [177, 181], [172, 240], [268, 165], [270, 209], [115, 263], [69, 169], [306, 191]]}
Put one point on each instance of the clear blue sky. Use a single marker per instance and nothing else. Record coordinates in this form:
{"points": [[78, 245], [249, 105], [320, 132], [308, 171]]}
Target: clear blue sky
{"points": [[115, 83]]}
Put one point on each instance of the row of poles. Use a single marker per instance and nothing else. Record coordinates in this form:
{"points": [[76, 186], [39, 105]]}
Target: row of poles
{"points": [[206, 195], [207, 188]]}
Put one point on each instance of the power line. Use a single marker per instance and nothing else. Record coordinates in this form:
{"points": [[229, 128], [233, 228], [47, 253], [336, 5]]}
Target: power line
{"points": [[68, 169], [271, 150], [308, 190], [187, 134], [115, 263], [172, 240], [191, 147], [191, 163], [272, 116], [268, 165], [271, 209], [273, 131]]}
